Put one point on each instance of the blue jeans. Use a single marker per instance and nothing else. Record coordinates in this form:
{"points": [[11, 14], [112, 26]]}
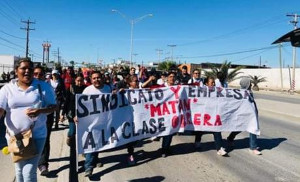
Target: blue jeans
{"points": [[72, 127], [166, 143], [217, 137], [91, 160], [252, 139], [26, 169]]}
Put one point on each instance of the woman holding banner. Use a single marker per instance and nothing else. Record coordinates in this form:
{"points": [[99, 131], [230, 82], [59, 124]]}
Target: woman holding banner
{"points": [[209, 82], [245, 83]]}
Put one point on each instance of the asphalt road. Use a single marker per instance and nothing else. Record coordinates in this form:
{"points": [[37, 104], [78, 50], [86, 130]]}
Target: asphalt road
{"points": [[284, 98], [279, 142]]}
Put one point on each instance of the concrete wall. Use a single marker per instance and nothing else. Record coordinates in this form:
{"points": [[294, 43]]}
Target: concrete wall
{"points": [[7, 63], [273, 78]]}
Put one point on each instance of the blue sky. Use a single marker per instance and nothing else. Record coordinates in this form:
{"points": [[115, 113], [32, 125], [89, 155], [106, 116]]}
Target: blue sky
{"points": [[85, 30]]}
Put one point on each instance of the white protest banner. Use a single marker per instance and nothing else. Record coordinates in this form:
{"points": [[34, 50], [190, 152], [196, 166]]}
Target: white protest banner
{"points": [[109, 120]]}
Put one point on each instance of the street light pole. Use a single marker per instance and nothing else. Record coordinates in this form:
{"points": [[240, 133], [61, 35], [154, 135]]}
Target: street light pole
{"points": [[132, 22], [172, 46]]}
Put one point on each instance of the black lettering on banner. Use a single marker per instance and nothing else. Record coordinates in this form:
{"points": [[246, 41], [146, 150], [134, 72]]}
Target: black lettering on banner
{"points": [[141, 96], [105, 101], [133, 130], [94, 100], [114, 101], [150, 95], [82, 106], [152, 124], [134, 101], [202, 90], [114, 137], [228, 92], [125, 125], [145, 128], [211, 90], [104, 142], [159, 94], [89, 141], [219, 92], [237, 94], [191, 91], [161, 124], [123, 99]]}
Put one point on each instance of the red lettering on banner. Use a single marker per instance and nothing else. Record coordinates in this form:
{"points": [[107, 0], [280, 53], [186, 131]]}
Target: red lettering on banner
{"points": [[197, 119], [175, 90], [155, 109], [175, 121], [173, 105], [218, 121], [206, 120], [165, 109]]}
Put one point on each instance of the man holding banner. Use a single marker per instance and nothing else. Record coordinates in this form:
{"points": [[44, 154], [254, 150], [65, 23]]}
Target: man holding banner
{"points": [[97, 87]]}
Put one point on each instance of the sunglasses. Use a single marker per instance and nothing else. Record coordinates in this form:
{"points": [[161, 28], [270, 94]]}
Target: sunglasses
{"points": [[38, 74]]}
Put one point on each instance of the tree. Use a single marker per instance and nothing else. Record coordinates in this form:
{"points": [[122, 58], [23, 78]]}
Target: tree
{"points": [[166, 65], [72, 63], [256, 80], [228, 77]]}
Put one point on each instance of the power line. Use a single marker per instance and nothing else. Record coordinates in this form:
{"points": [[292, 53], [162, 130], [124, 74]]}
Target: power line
{"points": [[11, 42], [11, 47], [231, 53], [272, 20], [11, 35], [13, 9], [9, 18]]}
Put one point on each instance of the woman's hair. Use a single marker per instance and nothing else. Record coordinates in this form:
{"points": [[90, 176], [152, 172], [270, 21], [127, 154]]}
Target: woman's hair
{"points": [[28, 60]]}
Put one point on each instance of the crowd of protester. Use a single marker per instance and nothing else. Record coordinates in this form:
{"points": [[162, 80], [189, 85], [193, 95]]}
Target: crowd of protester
{"points": [[67, 82]]}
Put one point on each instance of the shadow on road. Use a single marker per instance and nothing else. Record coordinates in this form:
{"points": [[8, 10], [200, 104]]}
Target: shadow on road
{"points": [[149, 179], [262, 143]]}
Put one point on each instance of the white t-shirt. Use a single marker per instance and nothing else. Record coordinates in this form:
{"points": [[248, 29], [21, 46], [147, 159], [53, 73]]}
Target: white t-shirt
{"points": [[15, 101], [193, 80], [93, 90]]}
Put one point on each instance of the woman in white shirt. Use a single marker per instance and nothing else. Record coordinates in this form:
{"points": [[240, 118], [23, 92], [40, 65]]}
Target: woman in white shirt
{"points": [[26, 102]]}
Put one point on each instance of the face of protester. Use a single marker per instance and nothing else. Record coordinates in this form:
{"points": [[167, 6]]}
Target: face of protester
{"points": [[79, 81], [196, 74], [25, 72], [134, 83], [210, 82], [97, 80], [171, 79], [132, 71], [38, 74], [184, 71]]}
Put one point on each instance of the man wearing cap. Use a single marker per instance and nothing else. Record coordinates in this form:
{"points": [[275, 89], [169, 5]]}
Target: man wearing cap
{"points": [[184, 76]]}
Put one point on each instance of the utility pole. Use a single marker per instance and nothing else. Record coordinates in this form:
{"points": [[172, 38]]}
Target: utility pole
{"points": [[28, 22], [58, 61], [280, 64], [294, 22], [159, 52]]}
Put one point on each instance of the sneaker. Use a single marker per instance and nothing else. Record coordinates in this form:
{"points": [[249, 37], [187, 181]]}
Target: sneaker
{"points": [[221, 152], [99, 164], [197, 145], [44, 170], [255, 151], [130, 160], [88, 172]]}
